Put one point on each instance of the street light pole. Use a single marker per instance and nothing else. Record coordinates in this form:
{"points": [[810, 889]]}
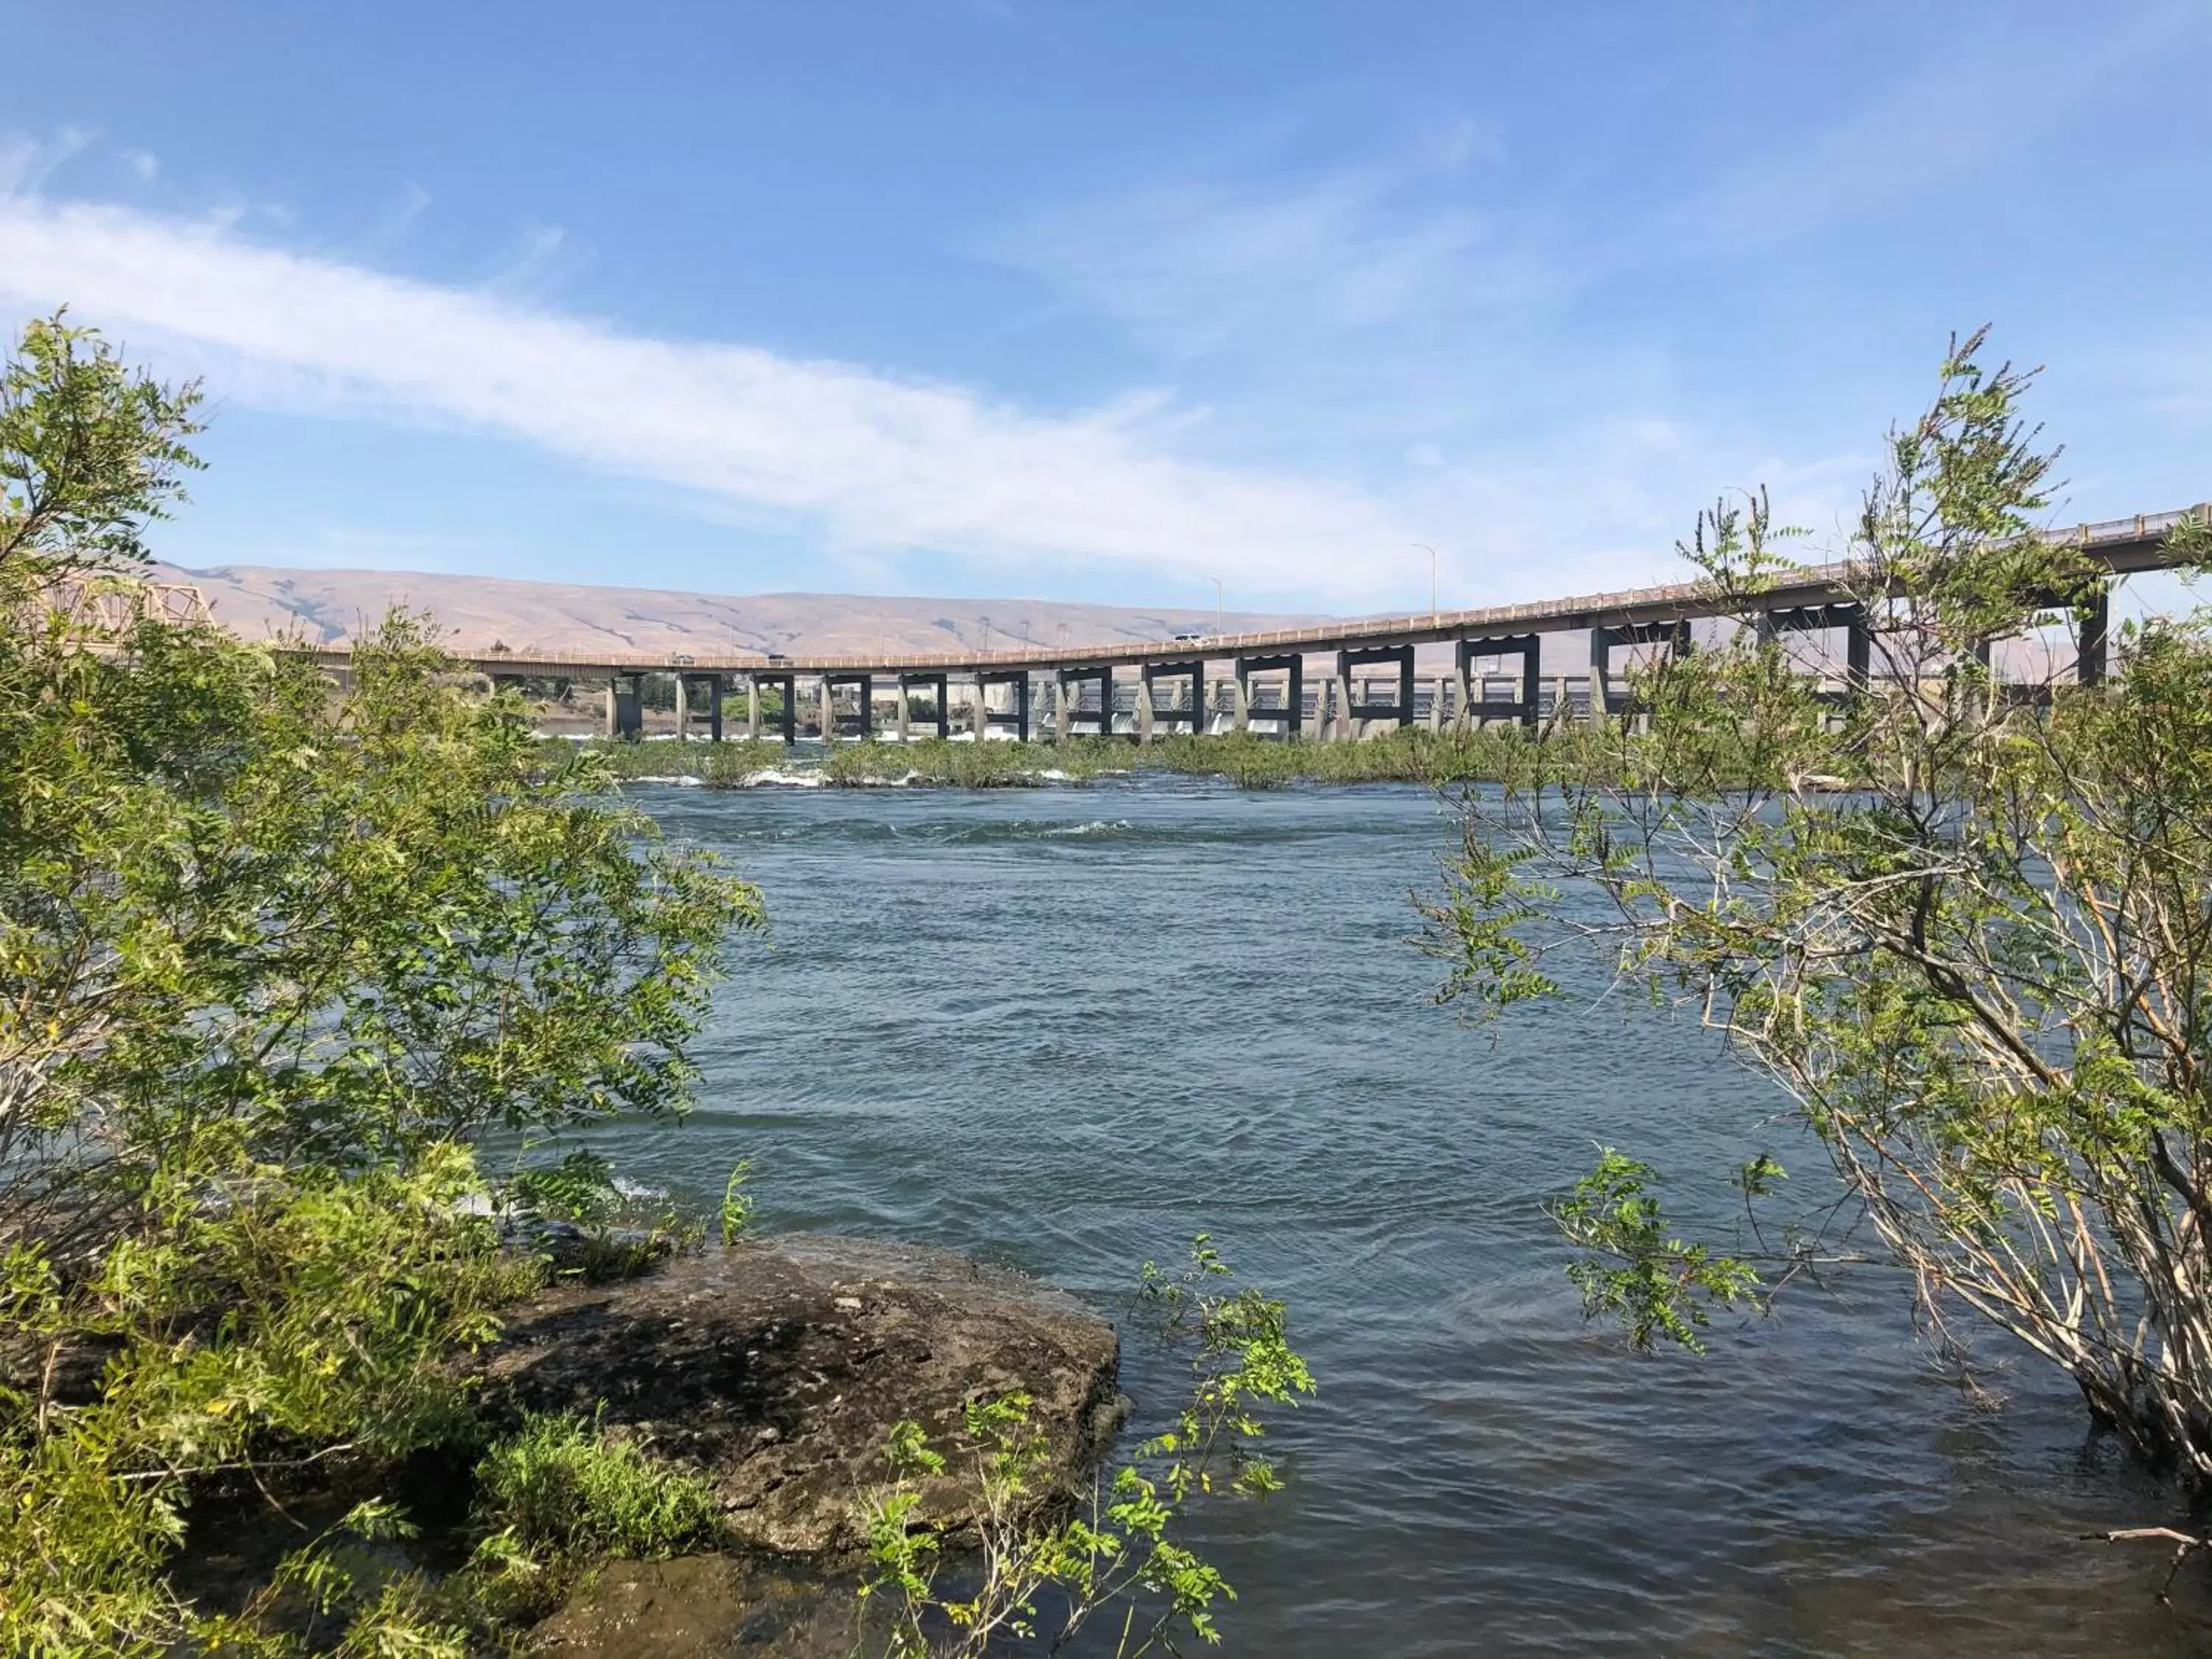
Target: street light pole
{"points": [[1431, 552], [1219, 625]]}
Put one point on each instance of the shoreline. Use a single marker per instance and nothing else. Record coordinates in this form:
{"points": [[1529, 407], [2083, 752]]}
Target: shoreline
{"points": [[1414, 756]]}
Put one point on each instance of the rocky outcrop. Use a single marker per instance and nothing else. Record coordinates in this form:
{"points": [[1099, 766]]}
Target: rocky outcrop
{"points": [[708, 1607], [778, 1367]]}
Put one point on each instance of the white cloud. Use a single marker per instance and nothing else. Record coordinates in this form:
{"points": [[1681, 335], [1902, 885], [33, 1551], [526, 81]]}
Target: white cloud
{"points": [[880, 465]]}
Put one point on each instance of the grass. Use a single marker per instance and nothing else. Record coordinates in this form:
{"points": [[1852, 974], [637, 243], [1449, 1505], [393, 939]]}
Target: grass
{"points": [[563, 1486]]}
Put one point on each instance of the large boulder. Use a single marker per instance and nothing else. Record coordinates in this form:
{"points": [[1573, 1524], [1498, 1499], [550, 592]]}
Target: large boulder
{"points": [[778, 1367]]}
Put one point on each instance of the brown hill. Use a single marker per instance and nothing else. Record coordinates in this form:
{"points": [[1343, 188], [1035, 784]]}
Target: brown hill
{"points": [[329, 606]]}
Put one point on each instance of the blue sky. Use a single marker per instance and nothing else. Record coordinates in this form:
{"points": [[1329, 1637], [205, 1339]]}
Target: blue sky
{"points": [[1108, 300]]}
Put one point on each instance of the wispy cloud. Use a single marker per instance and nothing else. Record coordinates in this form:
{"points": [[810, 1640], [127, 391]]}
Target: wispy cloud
{"points": [[1194, 267], [27, 163], [880, 465], [394, 221]]}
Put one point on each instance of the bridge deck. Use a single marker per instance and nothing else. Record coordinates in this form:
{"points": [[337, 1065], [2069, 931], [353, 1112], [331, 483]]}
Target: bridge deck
{"points": [[2121, 545]]}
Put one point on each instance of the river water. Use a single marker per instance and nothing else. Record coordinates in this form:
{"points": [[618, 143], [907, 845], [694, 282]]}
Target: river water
{"points": [[1067, 1028]]}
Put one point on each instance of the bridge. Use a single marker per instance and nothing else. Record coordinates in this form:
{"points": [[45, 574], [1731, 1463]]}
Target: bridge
{"points": [[1271, 681]]}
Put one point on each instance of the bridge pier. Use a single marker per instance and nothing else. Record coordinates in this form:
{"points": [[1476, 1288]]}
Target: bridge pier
{"points": [[625, 707], [788, 716], [1071, 682], [1858, 638], [1150, 714], [1291, 714], [2092, 649], [830, 720], [1019, 718], [1604, 703], [686, 686], [1352, 711], [938, 685], [1475, 706]]}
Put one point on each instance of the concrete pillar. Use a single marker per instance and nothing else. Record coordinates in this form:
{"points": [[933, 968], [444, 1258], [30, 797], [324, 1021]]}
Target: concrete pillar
{"points": [[2092, 662], [714, 709], [1469, 685], [1239, 695], [683, 708], [1144, 709], [626, 706], [1347, 728], [898, 714], [1436, 702], [607, 730], [752, 709], [1601, 665], [980, 714]]}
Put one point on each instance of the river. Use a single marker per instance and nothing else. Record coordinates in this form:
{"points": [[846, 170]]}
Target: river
{"points": [[1067, 1028]]}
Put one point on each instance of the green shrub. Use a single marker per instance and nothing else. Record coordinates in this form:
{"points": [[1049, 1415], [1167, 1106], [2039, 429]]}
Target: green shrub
{"points": [[737, 1202], [272, 952], [564, 1486]]}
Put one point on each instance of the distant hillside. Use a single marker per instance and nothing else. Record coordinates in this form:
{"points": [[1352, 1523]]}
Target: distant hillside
{"points": [[329, 606]]}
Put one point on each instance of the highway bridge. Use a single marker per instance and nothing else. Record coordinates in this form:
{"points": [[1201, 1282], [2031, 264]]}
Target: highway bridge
{"points": [[1271, 681]]}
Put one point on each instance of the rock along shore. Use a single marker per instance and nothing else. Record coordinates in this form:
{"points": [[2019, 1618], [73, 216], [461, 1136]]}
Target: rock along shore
{"points": [[778, 1368]]}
